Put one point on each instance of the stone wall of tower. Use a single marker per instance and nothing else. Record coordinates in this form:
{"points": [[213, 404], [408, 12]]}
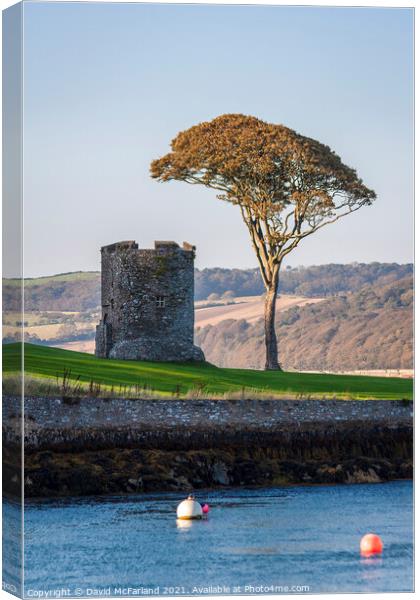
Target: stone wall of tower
{"points": [[147, 303]]}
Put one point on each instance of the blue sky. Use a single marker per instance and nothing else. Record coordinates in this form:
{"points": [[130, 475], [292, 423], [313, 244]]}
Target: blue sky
{"points": [[107, 86]]}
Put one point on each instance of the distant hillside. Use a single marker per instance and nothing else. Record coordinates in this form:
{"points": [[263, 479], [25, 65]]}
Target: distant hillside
{"points": [[368, 329], [368, 326], [80, 291], [77, 291], [322, 280]]}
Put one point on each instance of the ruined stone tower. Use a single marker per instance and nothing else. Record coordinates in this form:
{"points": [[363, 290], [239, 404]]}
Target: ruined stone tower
{"points": [[147, 303]]}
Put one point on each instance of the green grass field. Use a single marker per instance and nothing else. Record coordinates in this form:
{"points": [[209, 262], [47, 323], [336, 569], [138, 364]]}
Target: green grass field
{"points": [[61, 278], [169, 378]]}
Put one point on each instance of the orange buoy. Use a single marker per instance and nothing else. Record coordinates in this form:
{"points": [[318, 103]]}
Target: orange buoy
{"points": [[370, 544]]}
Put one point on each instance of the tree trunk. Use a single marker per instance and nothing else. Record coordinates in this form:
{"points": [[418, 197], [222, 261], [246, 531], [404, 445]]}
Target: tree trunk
{"points": [[271, 354]]}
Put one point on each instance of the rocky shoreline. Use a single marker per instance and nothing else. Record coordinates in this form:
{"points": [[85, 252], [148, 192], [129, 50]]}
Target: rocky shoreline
{"points": [[92, 446]]}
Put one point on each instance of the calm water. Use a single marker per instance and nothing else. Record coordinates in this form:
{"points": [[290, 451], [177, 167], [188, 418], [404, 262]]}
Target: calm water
{"points": [[301, 536]]}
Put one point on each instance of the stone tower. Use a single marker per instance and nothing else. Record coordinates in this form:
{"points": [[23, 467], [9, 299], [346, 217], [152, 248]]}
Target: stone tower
{"points": [[147, 303]]}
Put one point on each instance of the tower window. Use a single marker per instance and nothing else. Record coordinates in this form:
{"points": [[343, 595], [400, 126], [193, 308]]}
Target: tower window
{"points": [[160, 302]]}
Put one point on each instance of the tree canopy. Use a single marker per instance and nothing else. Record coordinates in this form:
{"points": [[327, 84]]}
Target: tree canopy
{"points": [[286, 184]]}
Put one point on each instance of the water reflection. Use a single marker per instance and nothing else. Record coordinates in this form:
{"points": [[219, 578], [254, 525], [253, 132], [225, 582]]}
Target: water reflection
{"points": [[371, 561], [184, 523]]}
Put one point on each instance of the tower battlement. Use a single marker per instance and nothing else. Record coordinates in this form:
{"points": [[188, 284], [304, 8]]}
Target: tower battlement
{"points": [[147, 302]]}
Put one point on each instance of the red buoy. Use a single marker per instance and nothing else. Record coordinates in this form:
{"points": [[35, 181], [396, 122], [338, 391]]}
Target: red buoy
{"points": [[205, 508], [370, 544]]}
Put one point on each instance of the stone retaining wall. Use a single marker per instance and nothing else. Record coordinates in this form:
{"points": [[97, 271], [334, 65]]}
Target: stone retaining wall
{"points": [[99, 446], [56, 413]]}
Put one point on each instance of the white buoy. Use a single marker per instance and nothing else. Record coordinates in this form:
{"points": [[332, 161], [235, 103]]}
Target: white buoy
{"points": [[189, 509]]}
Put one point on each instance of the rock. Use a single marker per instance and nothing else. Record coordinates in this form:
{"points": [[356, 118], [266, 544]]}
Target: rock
{"points": [[330, 474], [220, 474], [134, 484], [182, 483], [359, 476], [187, 458]]}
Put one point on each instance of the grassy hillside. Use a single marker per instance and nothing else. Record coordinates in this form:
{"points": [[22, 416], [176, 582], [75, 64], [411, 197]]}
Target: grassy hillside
{"points": [[77, 291], [71, 277], [45, 362]]}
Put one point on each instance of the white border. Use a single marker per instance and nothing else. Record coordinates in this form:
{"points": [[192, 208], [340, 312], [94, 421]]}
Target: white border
{"points": [[354, 3]]}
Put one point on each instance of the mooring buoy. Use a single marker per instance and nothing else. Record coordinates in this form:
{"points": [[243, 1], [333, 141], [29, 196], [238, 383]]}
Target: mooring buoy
{"points": [[371, 544], [189, 509]]}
